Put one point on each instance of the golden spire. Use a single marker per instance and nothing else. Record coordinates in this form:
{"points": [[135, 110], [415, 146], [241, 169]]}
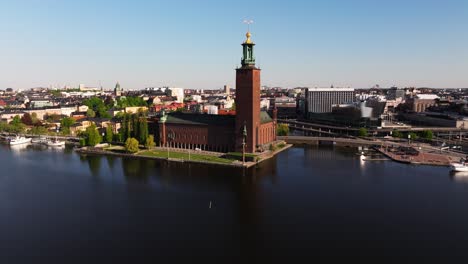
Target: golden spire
{"points": [[248, 40]]}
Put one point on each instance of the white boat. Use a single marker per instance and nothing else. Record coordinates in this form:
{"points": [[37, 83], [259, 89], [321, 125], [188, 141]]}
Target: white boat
{"points": [[19, 140], [459, 167], [55, 143]]}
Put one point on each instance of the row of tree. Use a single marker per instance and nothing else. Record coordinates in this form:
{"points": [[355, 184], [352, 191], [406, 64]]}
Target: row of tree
{"points": [[134, 126], [426, 134]]}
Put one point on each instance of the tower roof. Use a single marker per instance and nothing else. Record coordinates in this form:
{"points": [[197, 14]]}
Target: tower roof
{"points": [[248, 58]]}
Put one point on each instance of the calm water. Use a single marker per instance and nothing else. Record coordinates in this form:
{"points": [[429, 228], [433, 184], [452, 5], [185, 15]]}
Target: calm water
{"points": [[316, 202]]}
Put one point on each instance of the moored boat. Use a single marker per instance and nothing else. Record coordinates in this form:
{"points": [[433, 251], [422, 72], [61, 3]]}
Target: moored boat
{"points": [[55, 143], [19, 140], [459, 167]]}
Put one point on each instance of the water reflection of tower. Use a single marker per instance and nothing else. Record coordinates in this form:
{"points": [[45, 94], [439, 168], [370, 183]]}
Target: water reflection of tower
{"points": [[250, 207]]}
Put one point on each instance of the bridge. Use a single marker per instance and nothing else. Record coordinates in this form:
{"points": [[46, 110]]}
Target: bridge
{"points": [[351, 142], [343, 130]]}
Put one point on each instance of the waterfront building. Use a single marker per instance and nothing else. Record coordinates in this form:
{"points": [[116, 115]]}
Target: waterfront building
{"points": [[249, 127], [321, 100]]}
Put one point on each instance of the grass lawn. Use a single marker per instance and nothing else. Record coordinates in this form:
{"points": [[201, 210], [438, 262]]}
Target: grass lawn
{"points": [[184, 156], [239, 154], [115, 148]]}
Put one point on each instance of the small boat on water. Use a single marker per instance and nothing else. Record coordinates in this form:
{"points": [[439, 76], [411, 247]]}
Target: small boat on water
{"points": [[19, 140], [459, 167], [55, 143]]}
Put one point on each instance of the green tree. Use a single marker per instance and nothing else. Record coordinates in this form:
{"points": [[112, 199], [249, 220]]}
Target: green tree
{"points": [[16, 120], [413, 136], [109, 134], [65, 131], [397, 134], [131, 145], [282, 130], [82, 142], [142, 130], [67, 122], [130, 101], [15, 126], [134, 126], [362, 132], [35, 120], [427, 134], [149, 142], [90, 113], [39, 130], [92, 136]]}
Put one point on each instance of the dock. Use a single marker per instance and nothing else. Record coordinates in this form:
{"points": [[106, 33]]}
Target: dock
{"points": [[422, 158]]}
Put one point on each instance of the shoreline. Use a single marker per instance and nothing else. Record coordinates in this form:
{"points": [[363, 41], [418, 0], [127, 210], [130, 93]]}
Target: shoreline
{"points": [[235, 164]]}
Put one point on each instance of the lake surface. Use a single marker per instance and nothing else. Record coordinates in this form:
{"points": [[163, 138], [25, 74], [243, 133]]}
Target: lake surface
{"points": [[308, 201]]}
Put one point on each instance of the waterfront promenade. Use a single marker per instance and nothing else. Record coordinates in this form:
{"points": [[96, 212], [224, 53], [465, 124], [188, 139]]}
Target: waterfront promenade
{"points": [[423, 158], [427, 154]]}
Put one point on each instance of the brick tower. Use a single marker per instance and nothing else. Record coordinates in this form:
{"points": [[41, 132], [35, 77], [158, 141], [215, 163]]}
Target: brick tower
{"points": [[247, 100]]}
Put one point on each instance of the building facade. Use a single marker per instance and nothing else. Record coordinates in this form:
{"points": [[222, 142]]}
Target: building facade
{"points": [[321, 100], [249, 130]]}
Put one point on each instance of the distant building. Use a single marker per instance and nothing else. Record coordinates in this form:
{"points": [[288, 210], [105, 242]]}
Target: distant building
{"points": [[421, 102], [394, 93], [286, 107], [177, 92], [117, 90], [321, 100]]}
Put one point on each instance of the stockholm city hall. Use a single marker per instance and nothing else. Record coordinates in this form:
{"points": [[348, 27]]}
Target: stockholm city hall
{"points": [[251, 129]]}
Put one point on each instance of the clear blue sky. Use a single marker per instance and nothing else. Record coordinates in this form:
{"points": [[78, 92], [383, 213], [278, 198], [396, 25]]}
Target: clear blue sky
{"points": [[196, 44]]}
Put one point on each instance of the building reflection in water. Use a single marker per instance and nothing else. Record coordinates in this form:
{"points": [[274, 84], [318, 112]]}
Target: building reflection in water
{"points": [[239, 190]]}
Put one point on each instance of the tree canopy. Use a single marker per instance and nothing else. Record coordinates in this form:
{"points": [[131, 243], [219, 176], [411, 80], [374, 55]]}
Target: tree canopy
{"points": [[282, 130], [362, 132], [97, 105], [130, 101], [131, 145]]}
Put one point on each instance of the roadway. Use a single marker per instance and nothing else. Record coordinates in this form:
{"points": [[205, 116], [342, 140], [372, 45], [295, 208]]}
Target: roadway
{"points": [[424, 147], [322, 128]]}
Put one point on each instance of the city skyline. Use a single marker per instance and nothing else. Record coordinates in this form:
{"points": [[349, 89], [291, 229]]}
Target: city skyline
{"points": [[196, 45]]}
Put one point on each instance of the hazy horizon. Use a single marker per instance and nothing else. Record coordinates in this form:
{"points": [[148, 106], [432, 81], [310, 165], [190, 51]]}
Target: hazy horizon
{"points": [[196, 45]]}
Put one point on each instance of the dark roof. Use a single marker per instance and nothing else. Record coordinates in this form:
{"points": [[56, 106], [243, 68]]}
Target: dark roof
{"points": [[200, 119]]}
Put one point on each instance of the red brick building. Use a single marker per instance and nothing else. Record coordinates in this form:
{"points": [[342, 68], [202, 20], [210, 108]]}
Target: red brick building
{"points": [[249, 128]]}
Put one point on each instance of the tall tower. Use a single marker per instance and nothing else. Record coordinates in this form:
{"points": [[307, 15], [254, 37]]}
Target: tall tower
{"points": [[117, 90], [247, 99]]}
